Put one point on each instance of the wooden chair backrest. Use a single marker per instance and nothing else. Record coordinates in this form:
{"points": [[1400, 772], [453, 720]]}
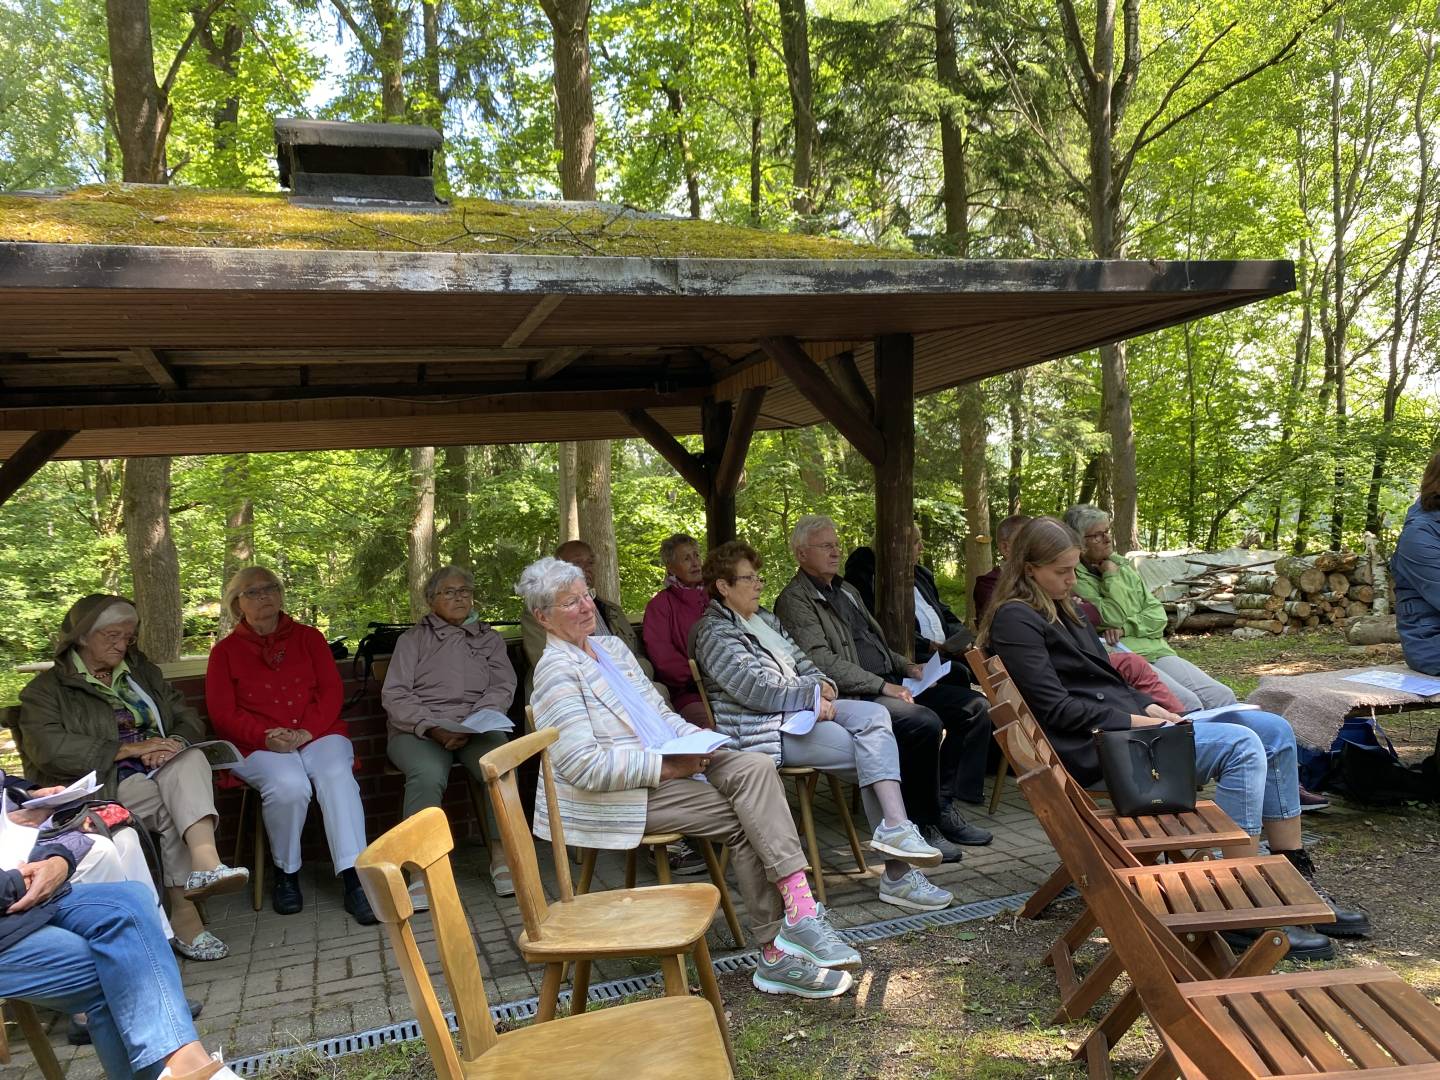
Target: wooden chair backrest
{"points": [[1149, 952], [499, 767], [704, 697], [423, 843]]}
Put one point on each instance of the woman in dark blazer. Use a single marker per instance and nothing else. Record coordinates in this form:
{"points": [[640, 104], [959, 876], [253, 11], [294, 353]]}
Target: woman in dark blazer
{"points": [[1060, 669]]}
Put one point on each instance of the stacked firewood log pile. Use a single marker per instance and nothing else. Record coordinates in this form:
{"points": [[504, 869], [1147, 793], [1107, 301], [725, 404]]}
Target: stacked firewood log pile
{"points": [[1287, 594]]}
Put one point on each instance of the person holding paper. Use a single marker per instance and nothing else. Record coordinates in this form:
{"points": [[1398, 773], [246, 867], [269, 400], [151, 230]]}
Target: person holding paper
{"points": [[1415, 570], [755, 675], [449, 675], [272, 689], [105, 708], [614, 783], [1060, 668], [825, 616]]}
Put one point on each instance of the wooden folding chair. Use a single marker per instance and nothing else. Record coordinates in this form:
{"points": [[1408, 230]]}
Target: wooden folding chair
{"points": [[664, 921], [806, 781], [1320, 1025], [34, 1032], [1175, 836], [676, 1035]]}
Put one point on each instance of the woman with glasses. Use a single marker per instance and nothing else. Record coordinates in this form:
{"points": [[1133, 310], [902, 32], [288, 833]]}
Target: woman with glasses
{"points": [[756, 676], [449, 670], [1131, 614], [104, 708], [272, 689]]}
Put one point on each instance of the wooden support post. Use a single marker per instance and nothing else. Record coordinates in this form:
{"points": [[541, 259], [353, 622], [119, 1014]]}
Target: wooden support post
{"points": [[894, 488], [25, 462], [716, 418]]}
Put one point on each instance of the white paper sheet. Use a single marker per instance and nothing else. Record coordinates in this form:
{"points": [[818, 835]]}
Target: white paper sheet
{"points": [[478, 723], [933, 671], [803, 722], [16, 841], [695, 743], [1422, 685], [78, 790]]}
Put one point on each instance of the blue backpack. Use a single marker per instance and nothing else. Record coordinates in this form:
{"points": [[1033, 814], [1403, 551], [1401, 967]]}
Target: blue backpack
{"points": [[1363, 765]]}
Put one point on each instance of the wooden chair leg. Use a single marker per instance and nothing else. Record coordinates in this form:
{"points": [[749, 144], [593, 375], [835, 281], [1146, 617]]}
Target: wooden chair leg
{"points": [[805, 789], [1042, 897], [580, 987], [673, 967], [843, 808], [4, 1038], [999, 788], [630, 857], [40, 1046], [711, 989], [587, 870], [257, 873], [662, 863], [549, 993], [240, 826], [477, 800], [717, 875]]}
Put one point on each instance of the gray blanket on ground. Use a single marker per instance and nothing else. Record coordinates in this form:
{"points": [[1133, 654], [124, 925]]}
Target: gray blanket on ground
{"points": [[1316, 704]]}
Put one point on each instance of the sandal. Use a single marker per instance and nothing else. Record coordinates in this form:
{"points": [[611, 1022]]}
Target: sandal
{"points": [[206, 946], [501, 879]]}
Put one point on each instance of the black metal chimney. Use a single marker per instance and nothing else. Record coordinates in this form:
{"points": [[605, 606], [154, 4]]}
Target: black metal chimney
{"points": [[329, 162]]}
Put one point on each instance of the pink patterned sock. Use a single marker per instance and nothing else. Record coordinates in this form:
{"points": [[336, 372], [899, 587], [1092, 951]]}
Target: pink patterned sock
{"points": [[770, 952], [795, 891]]}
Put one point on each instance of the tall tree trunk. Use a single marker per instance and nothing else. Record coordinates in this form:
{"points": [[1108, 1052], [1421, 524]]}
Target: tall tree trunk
{"points": [[597, 518], [566, 501], [142, 115], [682, 141], [154, 563], [239, 528], [795, 43], [392, 19], [434, 111], [575, 104], [974, 487], [1192, 460], [757, 113], [453, 487], [1015, 480], [222, 52], [1340, 328], [421, 546]]}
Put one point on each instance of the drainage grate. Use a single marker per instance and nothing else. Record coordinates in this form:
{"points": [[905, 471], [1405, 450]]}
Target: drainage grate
{"points": [[525, 1009]]}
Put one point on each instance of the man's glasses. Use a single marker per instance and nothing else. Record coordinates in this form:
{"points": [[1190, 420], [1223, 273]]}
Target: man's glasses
{"points": [[826, 547]]}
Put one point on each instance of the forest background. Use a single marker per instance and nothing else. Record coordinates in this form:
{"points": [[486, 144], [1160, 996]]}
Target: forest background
{"points": [[1028, 129]]}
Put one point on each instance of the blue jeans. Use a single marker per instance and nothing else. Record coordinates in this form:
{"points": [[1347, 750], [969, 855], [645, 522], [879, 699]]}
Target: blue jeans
{"points": [[104, 955], [1251, 757]]}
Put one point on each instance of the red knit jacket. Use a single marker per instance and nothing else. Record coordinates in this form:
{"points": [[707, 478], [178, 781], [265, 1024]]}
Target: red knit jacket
{"points": [[666, 629], [299, 688]]}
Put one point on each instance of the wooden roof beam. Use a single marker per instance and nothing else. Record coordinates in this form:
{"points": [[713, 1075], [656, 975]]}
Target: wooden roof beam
{"points": [[851, 383], [26, 461], [797, 365], [690, 467], [533, 319], [556, 362], [163, 374]]}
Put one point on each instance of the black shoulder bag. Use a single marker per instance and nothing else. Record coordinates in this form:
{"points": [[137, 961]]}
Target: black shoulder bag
{"points": [[1149, 770]]}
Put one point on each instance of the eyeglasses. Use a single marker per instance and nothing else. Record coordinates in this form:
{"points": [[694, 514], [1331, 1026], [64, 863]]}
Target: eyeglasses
{"points": [[259, 592], [574, 603], [116, 636], [826, 547], [455, 594], [755, 579], [1099, 537]]}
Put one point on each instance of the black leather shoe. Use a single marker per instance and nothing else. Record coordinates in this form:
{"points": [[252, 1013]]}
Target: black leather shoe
{"points": [[286, 897], [356, 902], [959, 831], [1349, 922], [949, 852], [1306, 946]]}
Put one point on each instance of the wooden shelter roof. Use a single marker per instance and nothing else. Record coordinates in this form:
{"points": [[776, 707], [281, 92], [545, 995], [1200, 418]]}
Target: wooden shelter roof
{"points": [[159, 321]]}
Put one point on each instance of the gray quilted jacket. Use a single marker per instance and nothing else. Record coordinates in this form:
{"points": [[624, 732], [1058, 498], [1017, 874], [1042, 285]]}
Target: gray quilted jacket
{"points": [[748, 689]]}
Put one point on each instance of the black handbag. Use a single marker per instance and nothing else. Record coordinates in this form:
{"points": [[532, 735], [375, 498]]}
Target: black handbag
{"points": [[1149, 770]]}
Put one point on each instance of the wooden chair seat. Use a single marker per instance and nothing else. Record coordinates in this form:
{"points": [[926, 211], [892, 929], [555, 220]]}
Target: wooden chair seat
{"points": [[1227, 894], [1206, 827], [649, 1040], [652, 921]]}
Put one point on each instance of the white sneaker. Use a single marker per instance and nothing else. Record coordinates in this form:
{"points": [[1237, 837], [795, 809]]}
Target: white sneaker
{"points": [[905, 843], [216, 1070]]}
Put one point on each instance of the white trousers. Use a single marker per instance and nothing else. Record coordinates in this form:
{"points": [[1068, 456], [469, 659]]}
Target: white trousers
{"points": [[120, 859], [286, 782]]}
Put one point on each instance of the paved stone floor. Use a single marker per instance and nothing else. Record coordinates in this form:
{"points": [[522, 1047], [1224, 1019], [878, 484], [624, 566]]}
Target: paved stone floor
{"points": [[296, 979]]}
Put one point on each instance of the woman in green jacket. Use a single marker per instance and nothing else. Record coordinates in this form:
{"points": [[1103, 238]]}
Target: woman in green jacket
{"points": [[104, 708], [1132, 615]]}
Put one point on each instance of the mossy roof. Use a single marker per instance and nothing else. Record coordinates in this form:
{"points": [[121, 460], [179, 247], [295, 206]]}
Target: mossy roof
{"points": [[190, 217]]}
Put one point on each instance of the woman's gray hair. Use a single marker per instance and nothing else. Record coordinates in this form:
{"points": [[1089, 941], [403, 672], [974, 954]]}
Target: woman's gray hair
{"points": [[1083, 517], [671, 544], [806, 527], [242, 580], [542, 579], [444, 574]]}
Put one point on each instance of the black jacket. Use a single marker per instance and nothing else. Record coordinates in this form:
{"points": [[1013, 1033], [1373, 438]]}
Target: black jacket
{"points": [[860, 572], [1062, 672], [12, 884]]}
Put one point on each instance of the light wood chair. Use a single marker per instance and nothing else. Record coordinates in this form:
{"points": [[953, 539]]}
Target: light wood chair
{"points": [[34, 1032], [1320, 1025], [1174, 836], [806, 781], [676, 1035], [664, 921]]}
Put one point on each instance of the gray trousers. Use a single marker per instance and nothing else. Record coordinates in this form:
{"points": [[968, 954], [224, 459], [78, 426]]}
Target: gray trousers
{"points": [[426, 765], [857, 746], [1193, 687]]}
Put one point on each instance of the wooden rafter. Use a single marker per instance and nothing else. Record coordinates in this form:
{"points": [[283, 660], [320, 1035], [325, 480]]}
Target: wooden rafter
{"points": [[846, 374], [691, 469], [557, 361], [155, 367], [737, 446], [533, 320], [795, 362], [26, 461]]}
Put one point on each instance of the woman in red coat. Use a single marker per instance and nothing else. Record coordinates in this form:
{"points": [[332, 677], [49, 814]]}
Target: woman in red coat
{"points": [[272, 690]]}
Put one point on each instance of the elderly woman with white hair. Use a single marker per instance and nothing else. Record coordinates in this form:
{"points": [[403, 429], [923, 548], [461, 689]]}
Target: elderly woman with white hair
{"points": [[613, 784], [104, 708], [1127, 606], [272, 689], [449, 671]]}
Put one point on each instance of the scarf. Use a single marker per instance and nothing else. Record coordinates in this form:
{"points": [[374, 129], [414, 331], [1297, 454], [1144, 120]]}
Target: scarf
{"points": [[272, 645], [673, 582], [136, 714], [773, 642], [648, 725]]}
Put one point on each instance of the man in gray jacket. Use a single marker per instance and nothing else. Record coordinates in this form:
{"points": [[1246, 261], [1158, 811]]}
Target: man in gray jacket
{"points": [[828, 619]]}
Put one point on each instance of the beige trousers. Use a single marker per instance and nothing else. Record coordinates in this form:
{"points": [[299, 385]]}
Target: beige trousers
{"points": [[178, 796], [742, 806]]}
